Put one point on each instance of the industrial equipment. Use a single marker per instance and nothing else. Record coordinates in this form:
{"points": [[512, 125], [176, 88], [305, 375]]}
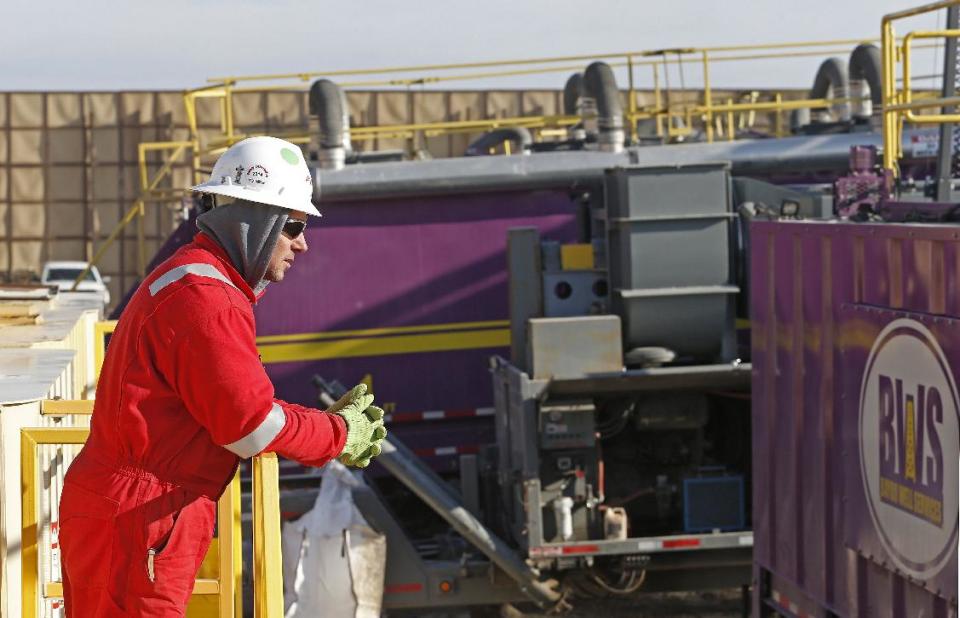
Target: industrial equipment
{"points": [[625, 400], [563, 333]]}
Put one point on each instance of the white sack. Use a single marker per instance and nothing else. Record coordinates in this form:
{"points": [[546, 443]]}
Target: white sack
{"points": [[333, 561]]}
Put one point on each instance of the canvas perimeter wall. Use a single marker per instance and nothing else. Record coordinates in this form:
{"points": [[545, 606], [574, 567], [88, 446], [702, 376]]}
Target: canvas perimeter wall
{"points": [[68, 160]]}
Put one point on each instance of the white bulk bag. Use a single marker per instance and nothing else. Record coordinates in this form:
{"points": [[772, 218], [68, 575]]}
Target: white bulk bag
{"points": [[333, 561]]}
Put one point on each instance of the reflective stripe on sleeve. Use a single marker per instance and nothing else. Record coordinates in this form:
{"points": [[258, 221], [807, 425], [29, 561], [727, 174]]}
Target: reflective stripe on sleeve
{"points": [[178, 273], [258, 439]]}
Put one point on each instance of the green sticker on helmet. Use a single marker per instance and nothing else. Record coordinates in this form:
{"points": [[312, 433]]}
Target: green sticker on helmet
{"points": [[289, 156]]}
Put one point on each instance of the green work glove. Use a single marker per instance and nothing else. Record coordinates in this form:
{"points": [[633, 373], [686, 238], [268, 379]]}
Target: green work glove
{"points": [[352, 395], [365, 430]]}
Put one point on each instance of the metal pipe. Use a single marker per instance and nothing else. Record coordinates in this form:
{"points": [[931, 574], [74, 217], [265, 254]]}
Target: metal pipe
{"points": [[888, 85], [572, 105], [945, 154], [657, 103], [572, 91], [600, 85], [455, 514], [326, 105], [707, 98], [832, 82], [631, 101], [864, 71]]}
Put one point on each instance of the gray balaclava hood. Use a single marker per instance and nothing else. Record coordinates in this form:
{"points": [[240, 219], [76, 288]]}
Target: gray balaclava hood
{"points": [[248, 232]]}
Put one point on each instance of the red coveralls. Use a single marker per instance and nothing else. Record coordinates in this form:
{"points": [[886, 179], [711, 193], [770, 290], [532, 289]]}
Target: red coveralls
{"points": [[182, 397]]}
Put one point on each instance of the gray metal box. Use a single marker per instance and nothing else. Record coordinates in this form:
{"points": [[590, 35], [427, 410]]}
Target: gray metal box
{"points": [[670, 258], [575, 346]]}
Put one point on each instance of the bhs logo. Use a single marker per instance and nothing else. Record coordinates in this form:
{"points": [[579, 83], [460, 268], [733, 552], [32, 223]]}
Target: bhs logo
{"points": [[909, 447], [910, 453]]}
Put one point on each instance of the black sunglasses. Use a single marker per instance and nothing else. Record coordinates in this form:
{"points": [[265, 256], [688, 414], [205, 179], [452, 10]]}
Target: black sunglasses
{"points": [[294, 227]]}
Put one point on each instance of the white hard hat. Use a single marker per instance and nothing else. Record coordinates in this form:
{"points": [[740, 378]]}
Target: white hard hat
{"points": [[263, 169]]}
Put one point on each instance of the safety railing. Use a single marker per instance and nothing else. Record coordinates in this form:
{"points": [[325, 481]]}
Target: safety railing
{"points": [[900, 104], [100, 331], [674, 115], [224, 558], [137, 212], [267, 560], [668, 111]]}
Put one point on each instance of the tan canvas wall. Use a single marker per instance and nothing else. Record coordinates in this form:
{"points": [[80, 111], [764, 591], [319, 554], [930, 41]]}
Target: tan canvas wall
{"points": [[68, 160]]}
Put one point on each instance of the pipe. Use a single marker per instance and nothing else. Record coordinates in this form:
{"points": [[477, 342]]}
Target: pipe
{"points": [[482, 145], [328, 106], [572, 91], [831, 83], [573, 105], [444, 504], [345, 123], [864, 72], [601, 86]]}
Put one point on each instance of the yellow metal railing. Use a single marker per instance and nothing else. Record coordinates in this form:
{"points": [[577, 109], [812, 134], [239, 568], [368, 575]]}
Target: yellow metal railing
{"points": [[899, 104], [100, 331], [226, 549], [673, 117], [267, 560]]}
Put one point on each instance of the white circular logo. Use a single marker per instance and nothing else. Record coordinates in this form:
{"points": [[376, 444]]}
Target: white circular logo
{"points": [[908, 447]]}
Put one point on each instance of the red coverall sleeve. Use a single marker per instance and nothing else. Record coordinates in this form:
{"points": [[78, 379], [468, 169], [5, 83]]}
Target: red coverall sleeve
{"points": [[216, 371]]}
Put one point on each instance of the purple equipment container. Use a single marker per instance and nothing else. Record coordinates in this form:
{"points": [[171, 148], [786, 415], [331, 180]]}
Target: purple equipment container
{"points": [[410, 293], [856, 347]]}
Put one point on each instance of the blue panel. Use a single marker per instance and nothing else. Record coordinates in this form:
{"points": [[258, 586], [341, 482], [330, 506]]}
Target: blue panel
{"points": [[713, 503]]}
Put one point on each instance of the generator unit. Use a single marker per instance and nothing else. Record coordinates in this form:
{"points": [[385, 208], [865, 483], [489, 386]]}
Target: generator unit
{"points": [[622, 417]]}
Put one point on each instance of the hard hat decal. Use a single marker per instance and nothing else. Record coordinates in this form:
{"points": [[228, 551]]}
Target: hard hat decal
{"points": [[257, 174], [238, 174], [289, 156]]}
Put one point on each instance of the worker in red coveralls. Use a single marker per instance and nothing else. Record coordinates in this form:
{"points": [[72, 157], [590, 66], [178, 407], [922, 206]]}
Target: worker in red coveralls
{"points": [[183, 397]]}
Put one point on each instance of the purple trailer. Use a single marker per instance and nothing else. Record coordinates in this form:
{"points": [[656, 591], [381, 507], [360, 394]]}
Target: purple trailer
{"points": [[411, 294], [856, 345]]}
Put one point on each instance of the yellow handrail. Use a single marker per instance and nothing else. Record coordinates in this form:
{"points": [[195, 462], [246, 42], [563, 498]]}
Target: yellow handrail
{"points": [[226, 88], [100, 331], [227, 587], [309, 75], [267, 560], [139, 205], [898, 103], [908, 92], [680, 118]]}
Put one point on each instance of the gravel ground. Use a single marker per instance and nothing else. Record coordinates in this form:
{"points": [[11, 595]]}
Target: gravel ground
{"points": [[714, 604]]}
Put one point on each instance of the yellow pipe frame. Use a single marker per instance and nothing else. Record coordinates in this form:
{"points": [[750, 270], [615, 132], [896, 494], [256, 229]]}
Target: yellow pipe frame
{"points": [[227, 86], [100, 331], [230, 560], [898, 104], [307, 76], [30, 439], [908, 91], [267, 560], [707, 97]]}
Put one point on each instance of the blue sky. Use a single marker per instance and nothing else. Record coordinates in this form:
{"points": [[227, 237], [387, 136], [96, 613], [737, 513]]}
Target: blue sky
{"points": [[114, 45]]}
